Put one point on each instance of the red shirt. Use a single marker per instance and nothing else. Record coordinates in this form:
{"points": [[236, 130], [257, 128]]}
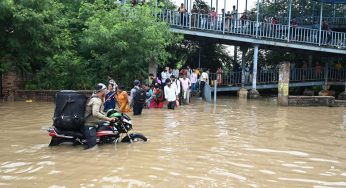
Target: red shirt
{"points": [[213, 15], [274, 21]]}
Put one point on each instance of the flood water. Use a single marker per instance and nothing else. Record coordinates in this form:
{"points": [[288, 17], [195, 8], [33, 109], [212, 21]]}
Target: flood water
{"points": [[231, 144]]}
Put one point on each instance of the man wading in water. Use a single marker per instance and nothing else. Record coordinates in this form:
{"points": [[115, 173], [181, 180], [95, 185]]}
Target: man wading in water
{"points": [[171, 94], [94, 115]]}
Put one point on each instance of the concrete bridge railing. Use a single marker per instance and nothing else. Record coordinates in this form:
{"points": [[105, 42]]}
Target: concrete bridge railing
{"points": [[310, 20], [270, 76], [268, 31]]}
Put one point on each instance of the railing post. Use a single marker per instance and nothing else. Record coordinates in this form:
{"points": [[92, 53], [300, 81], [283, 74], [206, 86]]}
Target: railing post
{"points": [[320, 29], [224, 17], [289, 19], [257, 18], [190, 16]]}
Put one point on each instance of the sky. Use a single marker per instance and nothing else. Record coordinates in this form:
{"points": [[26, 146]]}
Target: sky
{"points": [[229, 3]]}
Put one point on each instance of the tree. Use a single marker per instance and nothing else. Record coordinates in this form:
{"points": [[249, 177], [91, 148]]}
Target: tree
{"points": [[75, 44], [122, 41]]}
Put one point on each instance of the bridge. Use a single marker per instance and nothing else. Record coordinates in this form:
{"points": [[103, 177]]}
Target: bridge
{"points": [[268, 78], [308, 37], [254, 33]]}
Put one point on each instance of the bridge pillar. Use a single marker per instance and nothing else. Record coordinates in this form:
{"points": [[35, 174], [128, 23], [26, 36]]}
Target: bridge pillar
{"points": [[326, 91], [254, 93], [283, 85], [242, 93]]}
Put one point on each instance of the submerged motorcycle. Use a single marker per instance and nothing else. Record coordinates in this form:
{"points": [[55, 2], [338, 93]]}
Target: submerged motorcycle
{"points": [[106, 132]]}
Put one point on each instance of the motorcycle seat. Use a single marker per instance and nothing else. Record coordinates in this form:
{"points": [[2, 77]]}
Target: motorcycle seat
{"points": [[105, 128], [70, 133]]}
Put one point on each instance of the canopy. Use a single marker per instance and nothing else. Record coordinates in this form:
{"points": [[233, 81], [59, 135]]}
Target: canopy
{"points": [[332, 1]]}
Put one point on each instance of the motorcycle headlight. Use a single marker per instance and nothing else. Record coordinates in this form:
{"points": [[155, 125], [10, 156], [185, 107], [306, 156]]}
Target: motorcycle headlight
{"points": [[127, 121]]}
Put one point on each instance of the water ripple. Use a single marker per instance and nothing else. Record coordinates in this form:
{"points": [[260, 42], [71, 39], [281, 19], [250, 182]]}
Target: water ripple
{"points": [[295, 153], [341, 183]]}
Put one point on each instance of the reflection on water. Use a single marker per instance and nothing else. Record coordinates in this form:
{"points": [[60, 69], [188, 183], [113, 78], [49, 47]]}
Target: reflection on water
{"points": [[230, 144]]}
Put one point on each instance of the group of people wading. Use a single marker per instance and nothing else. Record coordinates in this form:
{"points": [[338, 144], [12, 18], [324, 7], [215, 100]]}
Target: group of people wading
{"points": [[172, 87]]}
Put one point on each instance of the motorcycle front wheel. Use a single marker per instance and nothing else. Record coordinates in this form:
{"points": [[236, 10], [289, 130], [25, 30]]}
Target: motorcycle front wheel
{"points": [[135, 137]]}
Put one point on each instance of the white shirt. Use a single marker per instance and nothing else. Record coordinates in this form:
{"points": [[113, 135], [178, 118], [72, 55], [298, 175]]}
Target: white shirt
{"points": [[175, 73], [170, 93], [189, 72], [185, 83], [163, 76], [176, 84], [169, 74], [234, 13], [193, 78], [204, 77]]}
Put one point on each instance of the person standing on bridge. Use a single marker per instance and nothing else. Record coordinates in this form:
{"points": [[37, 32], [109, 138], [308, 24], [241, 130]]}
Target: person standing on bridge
{"points": [[182, 11], [275, 22], [194, 19], [326, 28], [228, 21], [203, 17], [213, 15], [234, 17], [294, 25], [244, 18], [223, 17]]}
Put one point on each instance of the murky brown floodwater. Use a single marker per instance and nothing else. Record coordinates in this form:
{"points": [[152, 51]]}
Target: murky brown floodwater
{"points": [[232, 144]]}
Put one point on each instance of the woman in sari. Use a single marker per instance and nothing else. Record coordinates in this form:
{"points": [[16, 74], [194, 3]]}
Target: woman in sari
{"points": [[150, 100], [159, 96], [109, 99], [123, 101]]}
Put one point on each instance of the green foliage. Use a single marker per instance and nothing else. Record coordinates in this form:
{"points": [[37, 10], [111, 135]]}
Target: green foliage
{"points": [[201, 4], [75, 44], [299, 8], [125, 39], [186, 53]]}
